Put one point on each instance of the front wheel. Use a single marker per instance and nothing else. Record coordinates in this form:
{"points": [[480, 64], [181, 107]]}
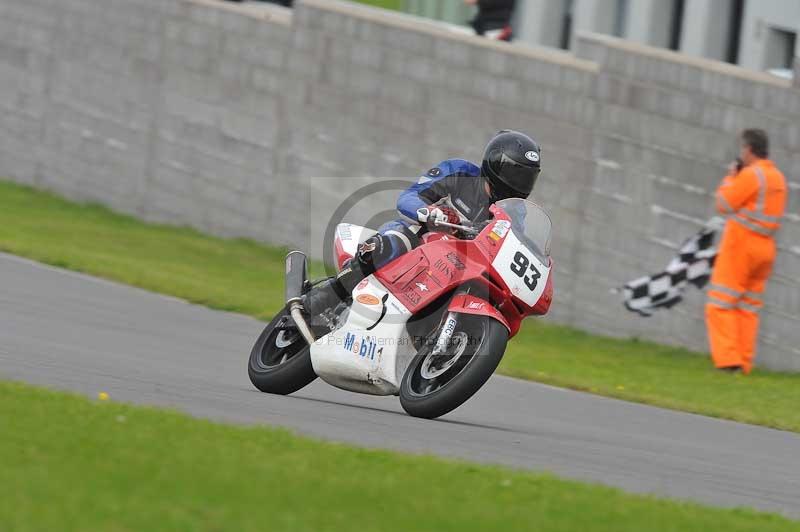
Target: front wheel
{"points": [[280, 361], [435, 384]]}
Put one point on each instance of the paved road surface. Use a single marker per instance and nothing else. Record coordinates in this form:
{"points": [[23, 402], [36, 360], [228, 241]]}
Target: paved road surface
{"points": [[74, 332]]}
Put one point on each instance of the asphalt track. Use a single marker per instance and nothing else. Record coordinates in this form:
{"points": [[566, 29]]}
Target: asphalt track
{"points": [[75, 332]]}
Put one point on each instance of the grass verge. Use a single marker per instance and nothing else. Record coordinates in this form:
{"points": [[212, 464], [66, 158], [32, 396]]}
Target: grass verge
{"points": [[246, 277], [396, 5], [74, 464]]}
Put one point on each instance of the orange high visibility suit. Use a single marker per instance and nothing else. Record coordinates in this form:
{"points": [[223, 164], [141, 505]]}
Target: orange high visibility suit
{"points": [[754, 201]]}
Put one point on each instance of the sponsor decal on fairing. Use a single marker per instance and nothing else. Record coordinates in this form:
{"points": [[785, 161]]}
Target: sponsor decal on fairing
{"points": [[345, 233], [500, 229], [368, 299], [456, 261], [363, 346], [444, 267]]}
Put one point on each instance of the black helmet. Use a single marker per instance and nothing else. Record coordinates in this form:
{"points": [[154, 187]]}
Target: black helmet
{"points": [[511, 164]]}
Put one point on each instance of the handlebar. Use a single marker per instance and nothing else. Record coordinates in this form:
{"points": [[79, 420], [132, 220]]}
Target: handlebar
{"points": [[465, 228]]}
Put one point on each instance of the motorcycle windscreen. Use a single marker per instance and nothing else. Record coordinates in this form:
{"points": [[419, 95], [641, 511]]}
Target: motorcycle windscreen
{"points": [[524, 258], [531, 224]]}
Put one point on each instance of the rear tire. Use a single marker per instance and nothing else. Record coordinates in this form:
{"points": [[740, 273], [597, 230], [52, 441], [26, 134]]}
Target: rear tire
{"points": [[435, 385], [280, 361]]}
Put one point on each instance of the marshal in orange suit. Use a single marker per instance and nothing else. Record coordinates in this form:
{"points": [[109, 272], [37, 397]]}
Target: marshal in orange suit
{"points": [[753, 197]]}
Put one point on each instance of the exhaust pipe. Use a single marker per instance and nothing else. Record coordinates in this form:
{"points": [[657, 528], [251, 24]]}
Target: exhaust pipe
{"points": [[296, 276], [300, 321]]}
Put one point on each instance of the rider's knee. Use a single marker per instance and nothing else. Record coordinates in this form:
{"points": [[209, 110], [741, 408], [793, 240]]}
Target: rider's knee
{"points": [[393, 240]]}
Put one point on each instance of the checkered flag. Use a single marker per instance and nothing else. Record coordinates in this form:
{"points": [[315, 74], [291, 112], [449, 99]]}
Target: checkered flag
{"points": [[692, 265]]}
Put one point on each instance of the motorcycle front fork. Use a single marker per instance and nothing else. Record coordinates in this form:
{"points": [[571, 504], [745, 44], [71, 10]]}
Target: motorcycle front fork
{"points": [[446, 334]]}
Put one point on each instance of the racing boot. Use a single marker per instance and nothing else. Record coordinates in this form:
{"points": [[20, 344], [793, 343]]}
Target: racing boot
{"points": [[323, 296], [331, 292]]}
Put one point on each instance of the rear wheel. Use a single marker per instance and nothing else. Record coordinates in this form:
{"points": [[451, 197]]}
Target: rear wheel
{"points": [[435, 384], [280, 361]]}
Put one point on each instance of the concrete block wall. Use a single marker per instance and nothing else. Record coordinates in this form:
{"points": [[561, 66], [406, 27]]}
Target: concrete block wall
{"points": [[248, 120], [667, 129], [393, 97], [166, 109]]}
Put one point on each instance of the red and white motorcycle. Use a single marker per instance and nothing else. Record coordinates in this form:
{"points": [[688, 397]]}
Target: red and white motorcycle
{"points": [[430, 326]]}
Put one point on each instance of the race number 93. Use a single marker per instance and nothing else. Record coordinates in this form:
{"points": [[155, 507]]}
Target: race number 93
{"points": [[522, 270], [522, 267]]}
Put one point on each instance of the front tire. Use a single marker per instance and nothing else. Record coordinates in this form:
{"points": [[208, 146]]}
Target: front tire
{"points": [[434, 385], [280, 361]]}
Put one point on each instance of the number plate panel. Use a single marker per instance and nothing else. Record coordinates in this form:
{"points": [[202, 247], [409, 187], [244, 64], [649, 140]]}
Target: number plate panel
{"points": [[521, 270]]}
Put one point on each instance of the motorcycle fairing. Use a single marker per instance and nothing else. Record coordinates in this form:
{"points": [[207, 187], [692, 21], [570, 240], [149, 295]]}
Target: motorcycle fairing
{"points": [[470, 304], [371, 351], [523, 272], [421, 276], [345, 244]]}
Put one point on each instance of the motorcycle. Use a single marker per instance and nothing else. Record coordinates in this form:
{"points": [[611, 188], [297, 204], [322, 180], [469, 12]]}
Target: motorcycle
{"points": [[430, 326]]}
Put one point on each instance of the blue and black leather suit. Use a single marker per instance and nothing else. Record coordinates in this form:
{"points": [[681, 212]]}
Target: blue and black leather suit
{"points": [[454, 182]]}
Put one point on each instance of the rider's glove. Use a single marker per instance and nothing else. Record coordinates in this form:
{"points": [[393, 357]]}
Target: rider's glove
{"points": [[434, 215]]}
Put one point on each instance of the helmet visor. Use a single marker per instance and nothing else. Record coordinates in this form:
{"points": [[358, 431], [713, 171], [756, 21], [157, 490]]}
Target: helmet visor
{"points": [[512, 179], [500, 191]]}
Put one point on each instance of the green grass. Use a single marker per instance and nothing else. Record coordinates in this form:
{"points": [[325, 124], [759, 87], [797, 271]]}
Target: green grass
{"points": [[243, 276], [236, 275], [74, 464], [396, 5], [650, 373]]}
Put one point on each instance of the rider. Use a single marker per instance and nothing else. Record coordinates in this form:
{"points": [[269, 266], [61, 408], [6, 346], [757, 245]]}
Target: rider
{"points": [[454, 191]]}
